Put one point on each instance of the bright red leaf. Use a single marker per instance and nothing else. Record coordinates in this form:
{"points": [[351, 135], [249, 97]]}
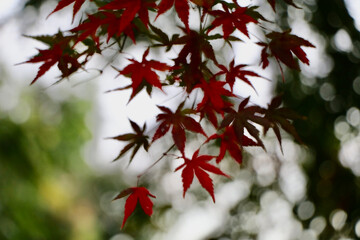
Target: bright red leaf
{"points": [[137, 194], [198, 165], [144, 71], [179, 122], [214, 92]]}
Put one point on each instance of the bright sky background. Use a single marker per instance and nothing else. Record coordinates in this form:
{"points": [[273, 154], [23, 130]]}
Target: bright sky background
{"points": [[6, 8]]}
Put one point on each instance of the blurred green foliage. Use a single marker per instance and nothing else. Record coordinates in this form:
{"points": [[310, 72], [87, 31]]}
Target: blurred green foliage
{"points": [[47, 190], [43, 173]]}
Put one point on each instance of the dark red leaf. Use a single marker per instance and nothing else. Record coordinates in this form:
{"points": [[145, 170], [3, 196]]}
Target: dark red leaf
{"points": [[179, 122], [207, 4], [104, 20], [236, 72], [282, 46], [230, 21], [60, 52], [131, 8], [181, 7], [195, 44], [290, 2], [229, 142], [50, 57], [178, 135], [280, 116], [245, 118], [136, 140]]}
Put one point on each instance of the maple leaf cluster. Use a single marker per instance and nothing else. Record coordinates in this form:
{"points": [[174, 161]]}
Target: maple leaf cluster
{"points": [[196, 70]]}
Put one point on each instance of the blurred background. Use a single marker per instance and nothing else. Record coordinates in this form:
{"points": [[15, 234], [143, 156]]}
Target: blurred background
{"points": [[57, 178]]}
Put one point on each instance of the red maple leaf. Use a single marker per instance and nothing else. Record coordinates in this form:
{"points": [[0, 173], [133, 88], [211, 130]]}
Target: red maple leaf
{"points": [[181, 7], [50, 57], [230, 20], [179, 122], [244, 119], [143, 71], [64, 3], [209, 111], [280, 116], [188, 75], [102, 19], [189, 67], [198, 165], [89, 27], [195, 44], [229, 142], [282, 46], [130, 9], [236, 72], [59, 52], [214, 92], [140, 194]]}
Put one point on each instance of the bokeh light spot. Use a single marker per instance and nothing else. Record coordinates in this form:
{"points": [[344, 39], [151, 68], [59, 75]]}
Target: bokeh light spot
{"points": [[356, 85], [306, 210], [327, 91], [357, 228], [341, 128], [343, 41], [338, 218], [353, 116], [318, 224]]}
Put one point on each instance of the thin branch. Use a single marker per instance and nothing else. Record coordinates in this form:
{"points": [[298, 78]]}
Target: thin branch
{"points": [[152, 165]]}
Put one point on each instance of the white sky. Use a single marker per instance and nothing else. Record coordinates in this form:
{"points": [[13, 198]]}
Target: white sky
{"points": [[7, 7]]}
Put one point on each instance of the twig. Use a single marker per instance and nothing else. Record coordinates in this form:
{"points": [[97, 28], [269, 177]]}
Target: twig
{"points": [[152, 165]]}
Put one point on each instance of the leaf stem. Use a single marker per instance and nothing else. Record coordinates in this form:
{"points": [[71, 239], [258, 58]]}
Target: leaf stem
{"points": [[200, 17], [123, 44]]}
